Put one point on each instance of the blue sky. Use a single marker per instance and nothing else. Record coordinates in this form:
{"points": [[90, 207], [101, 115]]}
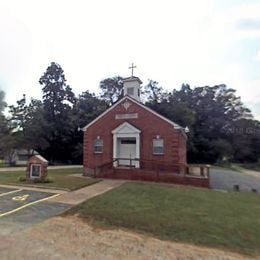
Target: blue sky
{"points": [[202, 42]]}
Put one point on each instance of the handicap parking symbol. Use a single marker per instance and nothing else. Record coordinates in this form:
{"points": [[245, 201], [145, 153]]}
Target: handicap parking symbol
{"points": [[21, 198]]}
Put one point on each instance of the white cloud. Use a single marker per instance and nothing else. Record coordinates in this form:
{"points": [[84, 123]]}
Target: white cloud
{"points": [[257, 56], [170, 41], [245, 19]]}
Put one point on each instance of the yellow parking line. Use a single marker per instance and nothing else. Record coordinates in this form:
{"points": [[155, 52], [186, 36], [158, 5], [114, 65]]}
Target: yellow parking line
{"points": [[9, 192], [26, 205]]}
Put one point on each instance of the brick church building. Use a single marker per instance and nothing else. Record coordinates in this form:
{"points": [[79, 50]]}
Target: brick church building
{"points": [[131, 141], [129, 134]]}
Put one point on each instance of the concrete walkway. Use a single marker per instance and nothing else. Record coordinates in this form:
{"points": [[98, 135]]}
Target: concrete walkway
{"points": [[78, 196]]}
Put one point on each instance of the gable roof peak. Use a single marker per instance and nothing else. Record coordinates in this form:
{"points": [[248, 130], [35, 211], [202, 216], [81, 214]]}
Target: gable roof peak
{"points": [[126, 97]]}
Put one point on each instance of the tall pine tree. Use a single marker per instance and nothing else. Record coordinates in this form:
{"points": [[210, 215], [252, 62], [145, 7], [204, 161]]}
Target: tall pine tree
{"points": [[58, 100]]}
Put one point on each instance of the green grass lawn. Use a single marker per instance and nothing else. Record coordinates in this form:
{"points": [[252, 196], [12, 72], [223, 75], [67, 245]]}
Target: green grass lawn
{"points": [[61, 179], [225, 220]]}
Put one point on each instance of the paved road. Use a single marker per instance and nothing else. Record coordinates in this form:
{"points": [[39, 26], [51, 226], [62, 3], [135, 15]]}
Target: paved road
{"points": [[224, 179]]}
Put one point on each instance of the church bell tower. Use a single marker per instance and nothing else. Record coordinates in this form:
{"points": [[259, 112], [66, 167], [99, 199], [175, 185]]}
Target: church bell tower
{"points": [[132, 85]]}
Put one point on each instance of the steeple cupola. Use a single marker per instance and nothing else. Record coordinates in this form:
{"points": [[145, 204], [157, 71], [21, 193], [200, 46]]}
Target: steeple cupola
{"points": [[132, 85]]}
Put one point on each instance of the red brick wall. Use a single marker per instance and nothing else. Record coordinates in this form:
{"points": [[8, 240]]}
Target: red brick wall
{"points": [[35, 160], [136, 174], [150, 126]]}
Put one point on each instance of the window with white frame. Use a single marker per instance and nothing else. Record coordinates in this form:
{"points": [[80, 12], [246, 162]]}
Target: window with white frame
{"points": [[158, 146], [98, 145]]}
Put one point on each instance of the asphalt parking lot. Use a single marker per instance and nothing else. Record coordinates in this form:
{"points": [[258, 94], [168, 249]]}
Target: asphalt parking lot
{"points": [[225, 179], [21, 208]]}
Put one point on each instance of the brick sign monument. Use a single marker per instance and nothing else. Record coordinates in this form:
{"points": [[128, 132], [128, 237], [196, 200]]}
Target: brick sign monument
{"points": [[37, 168]]}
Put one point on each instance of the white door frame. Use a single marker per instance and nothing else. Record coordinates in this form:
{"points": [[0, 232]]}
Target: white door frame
{"points": [[126, 130]]}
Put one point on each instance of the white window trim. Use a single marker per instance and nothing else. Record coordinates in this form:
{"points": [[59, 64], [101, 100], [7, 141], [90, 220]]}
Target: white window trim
{"points": [[35, 164], [156, 153], [94, 146]]}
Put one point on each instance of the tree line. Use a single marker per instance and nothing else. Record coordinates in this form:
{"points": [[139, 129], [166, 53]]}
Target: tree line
{"points": [[221, 127]]}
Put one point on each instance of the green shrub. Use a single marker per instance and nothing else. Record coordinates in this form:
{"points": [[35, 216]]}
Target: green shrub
{"points": [[22, 178], [42, 180]]}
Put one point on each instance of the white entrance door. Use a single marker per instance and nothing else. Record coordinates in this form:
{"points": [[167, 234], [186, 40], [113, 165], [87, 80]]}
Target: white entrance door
{"points": [[127, 151], [126, 145]]}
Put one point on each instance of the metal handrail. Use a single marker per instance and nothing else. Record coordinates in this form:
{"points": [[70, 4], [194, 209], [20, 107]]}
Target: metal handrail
{"points": [[157, 166]]}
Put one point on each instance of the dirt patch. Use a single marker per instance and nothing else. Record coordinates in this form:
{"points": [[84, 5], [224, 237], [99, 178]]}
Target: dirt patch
{"points": [[71, 238]]}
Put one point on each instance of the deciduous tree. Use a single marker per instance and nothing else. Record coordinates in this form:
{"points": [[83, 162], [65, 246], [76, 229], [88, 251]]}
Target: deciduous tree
{"points": [[111, 89]]}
